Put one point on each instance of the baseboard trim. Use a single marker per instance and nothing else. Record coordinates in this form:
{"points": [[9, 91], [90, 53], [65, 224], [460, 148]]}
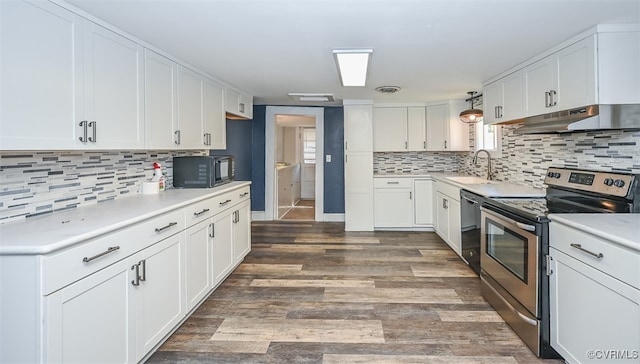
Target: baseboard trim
{"points": [[333, 217], [258, 216]]}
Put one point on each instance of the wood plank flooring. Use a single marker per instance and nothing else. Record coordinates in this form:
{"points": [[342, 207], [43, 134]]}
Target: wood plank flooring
{"points": [[304, 210], [312, 293]]}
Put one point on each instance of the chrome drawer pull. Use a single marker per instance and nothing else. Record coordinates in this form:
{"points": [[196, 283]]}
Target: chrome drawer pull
{"points": [[109, 250], [579, 247], [159, 230], [224, 202], [393, 183], [201, 212], [243, 194], [136, 280]]}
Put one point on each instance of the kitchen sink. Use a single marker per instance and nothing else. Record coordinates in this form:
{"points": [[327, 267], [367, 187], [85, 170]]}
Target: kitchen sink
{"points": [[470, 180]]}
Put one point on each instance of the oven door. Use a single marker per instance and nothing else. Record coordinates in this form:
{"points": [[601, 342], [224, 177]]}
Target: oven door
{"points": [[509, 255]]}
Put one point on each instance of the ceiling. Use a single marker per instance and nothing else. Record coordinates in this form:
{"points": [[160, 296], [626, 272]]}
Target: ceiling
{"points": [[433, 49]]}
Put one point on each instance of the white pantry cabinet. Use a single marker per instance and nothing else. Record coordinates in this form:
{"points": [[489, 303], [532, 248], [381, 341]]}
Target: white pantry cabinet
{"points": [[594, 297], [86, 80], [358, 167], [117, 296], [445, 131]]}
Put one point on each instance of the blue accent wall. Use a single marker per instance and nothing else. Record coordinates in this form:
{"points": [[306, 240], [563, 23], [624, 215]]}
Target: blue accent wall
{"points": [[334, 170], [246, 142]]}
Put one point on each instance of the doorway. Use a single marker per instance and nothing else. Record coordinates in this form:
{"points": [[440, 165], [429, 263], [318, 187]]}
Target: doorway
{"points": [[294, 151]]}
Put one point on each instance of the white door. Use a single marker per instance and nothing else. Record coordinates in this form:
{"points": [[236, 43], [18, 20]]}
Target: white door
{"points": [[511, 97], [91, 321], [198, 262], [308, 172], [389, 129], [393, 207], [538, 81], [190, 133], [214, 120], [423, 202], [416, 129], [159, 297], [41, 50], [222, 249], [160, 101], [114, 91], [242, 232]]}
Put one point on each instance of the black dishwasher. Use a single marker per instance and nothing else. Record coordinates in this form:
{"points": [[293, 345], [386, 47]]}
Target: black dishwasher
{"points": [[470, 228]]}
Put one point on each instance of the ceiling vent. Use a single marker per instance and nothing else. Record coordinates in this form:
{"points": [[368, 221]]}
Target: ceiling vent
{"points": [[388, 89], [308, 97]]}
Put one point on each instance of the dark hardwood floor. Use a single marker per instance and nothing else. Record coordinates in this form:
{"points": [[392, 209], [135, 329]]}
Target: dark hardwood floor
{"points": [[312, 293]]}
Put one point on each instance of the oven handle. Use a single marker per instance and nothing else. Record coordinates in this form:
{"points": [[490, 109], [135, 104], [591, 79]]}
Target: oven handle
{"points": [[512, 309], [522, 226]]}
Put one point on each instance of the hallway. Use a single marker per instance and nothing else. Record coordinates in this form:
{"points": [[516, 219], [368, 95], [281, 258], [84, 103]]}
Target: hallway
{"points": [[304, 210], [312, 293]]}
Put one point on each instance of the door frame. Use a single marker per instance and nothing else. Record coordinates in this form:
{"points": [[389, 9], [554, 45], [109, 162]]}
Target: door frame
{"points": [[270, 156]]}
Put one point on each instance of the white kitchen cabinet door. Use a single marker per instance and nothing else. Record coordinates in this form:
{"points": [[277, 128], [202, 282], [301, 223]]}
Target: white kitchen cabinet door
{"points": [[238, 104], [160, 101], [215, 123], [512, 97], [198, 257], [42, 45], [455, 234], [91, 321], [389, 129], [416, 129], [423, 202], [189, 134], [160, 301], [114, 90], [538, 82], [393, 207], [492, 101], [442, 215], [241, 232], [591, 312], [576, 74], [437, 127], [222, 247]]}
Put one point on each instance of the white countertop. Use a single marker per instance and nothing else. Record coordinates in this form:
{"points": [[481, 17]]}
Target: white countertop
{"points": [[47, 233], [492, 189], [622, 229]]}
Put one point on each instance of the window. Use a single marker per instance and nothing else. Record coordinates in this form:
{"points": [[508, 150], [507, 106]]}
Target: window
{"points": [[309, 145], [489, 137]]}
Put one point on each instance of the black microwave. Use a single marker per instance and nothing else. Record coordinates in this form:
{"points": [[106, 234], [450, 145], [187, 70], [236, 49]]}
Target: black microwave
{"points": [[202, 171]]}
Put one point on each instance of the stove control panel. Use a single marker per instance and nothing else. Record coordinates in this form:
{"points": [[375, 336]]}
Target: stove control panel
{"points": [[609, 183]]}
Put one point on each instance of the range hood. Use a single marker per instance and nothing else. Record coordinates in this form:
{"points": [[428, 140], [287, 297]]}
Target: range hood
{"points": [[593, 117]]}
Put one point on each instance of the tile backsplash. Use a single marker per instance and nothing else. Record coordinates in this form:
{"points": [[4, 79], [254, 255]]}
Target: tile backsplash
{"points": [[34, 183], [414, 162]]}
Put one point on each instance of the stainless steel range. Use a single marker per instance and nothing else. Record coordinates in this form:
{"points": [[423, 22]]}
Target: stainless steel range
{"points": [[514, 244]]}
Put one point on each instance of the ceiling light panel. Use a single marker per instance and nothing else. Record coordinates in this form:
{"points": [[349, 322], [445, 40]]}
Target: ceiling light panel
{"points": [[353, 65]]}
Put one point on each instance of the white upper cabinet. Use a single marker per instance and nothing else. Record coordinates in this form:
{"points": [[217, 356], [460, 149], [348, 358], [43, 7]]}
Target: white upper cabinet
{"points": [[445, 130], [189, 134], [416, 129], [562, 80], [160, 101], [389, 129], [41, 48], [503, 99], [113, 102], [238, 105], [214, 121]]}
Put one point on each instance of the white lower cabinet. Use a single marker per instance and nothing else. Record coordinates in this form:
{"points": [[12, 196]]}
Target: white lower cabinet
{"points": [[160, 304], [447, 215], [80, 329], [403, 202], [594, 298], [115, 298], [423, 202]]}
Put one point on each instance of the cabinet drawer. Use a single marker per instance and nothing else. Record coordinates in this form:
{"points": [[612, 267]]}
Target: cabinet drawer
{"points": [[200, 211], [449, 190], [68, 266], [243, 193], [393, 182], [616, 261]]}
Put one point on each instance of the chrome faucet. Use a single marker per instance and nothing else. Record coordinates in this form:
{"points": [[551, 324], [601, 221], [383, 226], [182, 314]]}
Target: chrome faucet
{"points": [[475, 161]]}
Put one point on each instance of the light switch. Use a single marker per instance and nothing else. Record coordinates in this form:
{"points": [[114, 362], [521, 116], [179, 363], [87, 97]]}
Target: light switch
{"points": [[327, 158]]}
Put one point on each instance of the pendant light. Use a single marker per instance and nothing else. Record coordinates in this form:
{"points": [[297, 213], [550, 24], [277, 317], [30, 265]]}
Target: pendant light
{"points": [[471, 116]]}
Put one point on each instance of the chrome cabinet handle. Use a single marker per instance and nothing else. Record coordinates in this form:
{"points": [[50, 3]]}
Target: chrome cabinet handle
{"points": [[241, 107], [224, 202], [136, 281], [94, 125], [83, 125], [410, 195], [212, 233], [547, 96], [552, 99], [177, 137], [159, 230], [445, 144], [110, 249], [579, 247], [201, 212], [500, 115], [495, 112], [424, 145], [393, 183], [143, 277], [445, 204], [406, 145], [243, 194]]}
